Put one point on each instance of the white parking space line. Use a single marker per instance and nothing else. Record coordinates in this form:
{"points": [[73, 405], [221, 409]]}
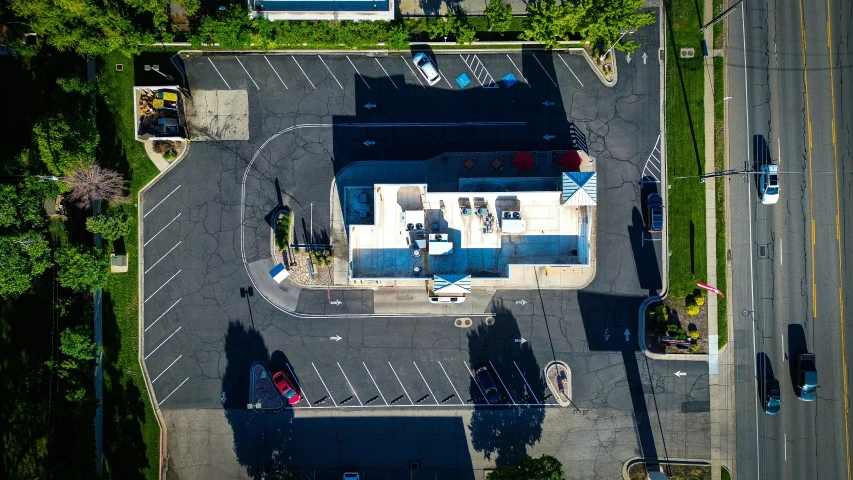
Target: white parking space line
{"points": [[330, 71], [161, 258], [478, 69], [502, 382], [350, 384], [401, 383], [164, 371], [173, 391], [217, 71], [359, 73], [386, 73], [296, 381], [471, 372], [425, 383], [161, 230], [275, 72], [161, 286], [164, 341], [161, 201], [374, 383], [324, 385], [518, 70], [413, 72], [303, 71], [162, 314], [525, 382], [451, 383], [570, 69], [247, 73], [543, 69]]}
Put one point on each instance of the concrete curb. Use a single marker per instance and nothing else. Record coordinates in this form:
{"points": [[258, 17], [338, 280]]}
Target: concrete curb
{"points": [[598, 72], [654, 461]]}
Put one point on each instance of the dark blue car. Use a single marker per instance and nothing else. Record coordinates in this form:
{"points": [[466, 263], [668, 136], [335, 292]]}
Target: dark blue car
{"points": [[655, 203], [487, 384]]}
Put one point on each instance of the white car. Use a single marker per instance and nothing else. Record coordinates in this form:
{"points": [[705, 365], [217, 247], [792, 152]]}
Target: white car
{"points": [[768, 184], [427, 68]]}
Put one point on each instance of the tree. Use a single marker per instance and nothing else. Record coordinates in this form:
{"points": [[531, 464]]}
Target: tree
{"points": [[398, 38], [8, 206], [112, 225], [93, 183], [603, 21], [22, 205], [76, 85], [499, 15], [78, 361], [62, 143], [546, 22], [545, 467], [231, 29], [22, 258], [82, 269]]}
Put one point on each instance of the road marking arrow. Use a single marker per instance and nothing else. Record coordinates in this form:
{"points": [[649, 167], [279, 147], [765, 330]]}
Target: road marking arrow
{"points": [[336, 338], [628, 58], [680, 373], [548, 104], [368, 143], [370, 105], [627, 334], [645, 57], [521, 302], [606, 335], [335, 302], [521, 340], [548, 137]]}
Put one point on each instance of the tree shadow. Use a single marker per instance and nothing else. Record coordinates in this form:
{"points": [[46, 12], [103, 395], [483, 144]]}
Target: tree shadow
{"points": [[502, 433], [645, 255]]}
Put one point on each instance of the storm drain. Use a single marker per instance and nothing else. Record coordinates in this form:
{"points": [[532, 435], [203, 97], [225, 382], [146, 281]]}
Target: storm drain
{"points": [[762, 251]]}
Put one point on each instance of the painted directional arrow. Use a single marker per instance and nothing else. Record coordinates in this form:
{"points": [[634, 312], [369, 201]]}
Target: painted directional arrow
{"points": [[521, 302], [548, 104], [627, 334], [628, 58], [368, 143], [548, 137], [521, 340], [645, 57], [606, 335], [680, 373], [370, 105], [336, 338], [335, 302]]}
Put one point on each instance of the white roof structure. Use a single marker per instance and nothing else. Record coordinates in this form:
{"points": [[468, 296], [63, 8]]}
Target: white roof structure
{"points": [[454, 284], [279, 273], [580, 188]]}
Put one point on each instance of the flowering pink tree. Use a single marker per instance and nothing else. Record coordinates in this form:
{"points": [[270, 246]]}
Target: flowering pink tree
{"points": [[93, 183]]}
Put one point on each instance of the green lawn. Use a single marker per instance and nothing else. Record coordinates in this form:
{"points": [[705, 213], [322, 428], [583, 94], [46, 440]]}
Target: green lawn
{"points": [[685, 149], [131, 432], [720, 164]]}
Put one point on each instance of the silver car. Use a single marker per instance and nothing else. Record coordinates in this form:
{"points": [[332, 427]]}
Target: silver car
{"points": [[427, 68]]}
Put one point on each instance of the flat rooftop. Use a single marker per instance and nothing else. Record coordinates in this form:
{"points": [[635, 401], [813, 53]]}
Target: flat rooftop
{"points": [[474, 233]]}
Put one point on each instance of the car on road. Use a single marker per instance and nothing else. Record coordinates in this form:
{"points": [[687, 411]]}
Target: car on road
{"points": [[487, 384], [287, 391], [427, 68], [655, 207], [768, 184], [806, 377], [772, 397]]}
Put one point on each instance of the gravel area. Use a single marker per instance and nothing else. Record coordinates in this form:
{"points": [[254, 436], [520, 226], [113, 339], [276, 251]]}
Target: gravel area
{"points": [[299, 272], [264, 395], [557, 375]]}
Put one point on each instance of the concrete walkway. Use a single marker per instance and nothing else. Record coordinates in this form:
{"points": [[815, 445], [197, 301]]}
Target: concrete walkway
{"points": [[720, 364]]}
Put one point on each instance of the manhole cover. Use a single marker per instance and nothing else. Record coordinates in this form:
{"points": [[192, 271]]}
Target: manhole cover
{"points": [[688, 53], [463, 322], [490, 321]]}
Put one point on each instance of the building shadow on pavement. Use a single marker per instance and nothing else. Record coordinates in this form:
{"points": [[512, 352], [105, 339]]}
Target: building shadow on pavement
{"points": [[504, 434]]}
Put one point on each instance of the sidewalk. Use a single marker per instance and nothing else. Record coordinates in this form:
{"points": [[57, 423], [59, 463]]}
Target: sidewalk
{"points": [[720, 365]]}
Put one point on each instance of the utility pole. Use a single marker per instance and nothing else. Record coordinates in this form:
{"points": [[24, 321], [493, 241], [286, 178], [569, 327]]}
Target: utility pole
{"points": [[721, 16]]}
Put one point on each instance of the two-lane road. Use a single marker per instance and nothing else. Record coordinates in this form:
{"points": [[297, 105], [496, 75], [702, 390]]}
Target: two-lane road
{"points": [[786, 61]]}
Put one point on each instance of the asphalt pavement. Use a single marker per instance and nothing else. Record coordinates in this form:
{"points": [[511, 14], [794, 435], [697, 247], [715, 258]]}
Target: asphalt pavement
{"points": [[308, 119], [787, 107]]}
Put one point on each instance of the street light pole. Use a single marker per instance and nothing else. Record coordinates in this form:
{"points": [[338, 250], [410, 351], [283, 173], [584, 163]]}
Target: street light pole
{"points": [[623, 33]]}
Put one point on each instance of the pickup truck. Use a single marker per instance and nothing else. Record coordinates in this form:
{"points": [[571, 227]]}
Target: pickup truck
{"points": [[806, 377]]}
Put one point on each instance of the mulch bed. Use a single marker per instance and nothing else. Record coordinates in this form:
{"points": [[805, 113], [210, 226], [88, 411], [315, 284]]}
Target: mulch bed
{"points": [[678, 315]]}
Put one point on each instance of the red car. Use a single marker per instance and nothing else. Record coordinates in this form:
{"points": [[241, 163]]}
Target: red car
{"points": [[283, 384]]}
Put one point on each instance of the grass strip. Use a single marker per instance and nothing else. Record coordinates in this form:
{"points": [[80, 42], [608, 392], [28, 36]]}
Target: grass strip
{"points": [[720, 200], [131, 432], [685, 141]]}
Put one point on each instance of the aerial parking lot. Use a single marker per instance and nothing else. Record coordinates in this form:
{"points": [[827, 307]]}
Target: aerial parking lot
{"points": [[306, 119]]}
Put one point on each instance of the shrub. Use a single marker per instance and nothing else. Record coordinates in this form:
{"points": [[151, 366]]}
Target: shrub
{"points": [[322, 258], [112, 224], [282, 230], [693, 334], [661, 314], [699, 297], [692, 309], [165, 147]]}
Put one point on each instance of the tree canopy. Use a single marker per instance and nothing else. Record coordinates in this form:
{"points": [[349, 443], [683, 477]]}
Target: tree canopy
{"points": [[64, 143], [22, 258], [545, 467], [499, 15], [82, 269], [112, 225]]}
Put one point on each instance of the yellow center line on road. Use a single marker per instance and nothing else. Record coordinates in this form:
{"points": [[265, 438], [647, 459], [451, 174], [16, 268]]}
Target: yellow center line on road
{"points": [[811, 177], [838, 240]]}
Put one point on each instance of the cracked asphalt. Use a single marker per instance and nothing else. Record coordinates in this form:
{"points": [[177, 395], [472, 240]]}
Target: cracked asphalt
{"points": [[201, 335]]}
